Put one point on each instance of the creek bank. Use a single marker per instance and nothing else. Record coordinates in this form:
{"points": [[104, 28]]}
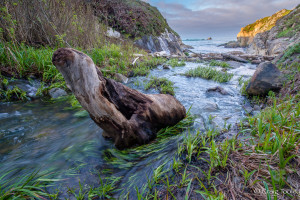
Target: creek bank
{"points": [[24, 89]]}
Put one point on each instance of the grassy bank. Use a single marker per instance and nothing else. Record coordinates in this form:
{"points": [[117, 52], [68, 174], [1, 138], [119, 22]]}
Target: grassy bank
{"points": [[29, 62], [27, 43]]}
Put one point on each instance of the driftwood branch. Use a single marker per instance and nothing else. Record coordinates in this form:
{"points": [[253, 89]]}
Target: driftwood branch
{"points": [[127, 116]]}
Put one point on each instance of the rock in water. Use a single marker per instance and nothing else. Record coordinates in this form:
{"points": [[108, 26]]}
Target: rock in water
{"points": [[211, 106], [232, 57], [218, 89], [57, 92], [267, 77], [127, 116], [167, 67]]}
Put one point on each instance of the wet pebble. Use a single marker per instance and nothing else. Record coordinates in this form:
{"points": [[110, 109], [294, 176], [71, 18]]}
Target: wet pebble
{"points": [[210, 106]]}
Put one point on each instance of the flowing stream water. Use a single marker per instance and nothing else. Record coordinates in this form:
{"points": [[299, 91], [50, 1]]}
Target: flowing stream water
{"points": [[46, 136]]}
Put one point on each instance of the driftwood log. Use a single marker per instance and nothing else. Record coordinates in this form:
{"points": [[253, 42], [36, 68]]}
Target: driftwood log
{"points": [[127, 116]]}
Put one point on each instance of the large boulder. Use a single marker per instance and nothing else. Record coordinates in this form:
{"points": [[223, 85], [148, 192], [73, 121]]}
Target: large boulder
{"points": [[267, 77]]}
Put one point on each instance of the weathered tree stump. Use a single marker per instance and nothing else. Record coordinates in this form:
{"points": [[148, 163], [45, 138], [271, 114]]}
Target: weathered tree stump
{"points": [[127, 116]]}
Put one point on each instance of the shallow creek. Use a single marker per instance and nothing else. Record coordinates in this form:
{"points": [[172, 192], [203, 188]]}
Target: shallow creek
{"points": [[48, 137]]}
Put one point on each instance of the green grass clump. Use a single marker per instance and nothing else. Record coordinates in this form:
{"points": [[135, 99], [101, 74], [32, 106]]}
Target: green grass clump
{"points": [[209, 73], [25, 60], [175, 63], [162, 84], [28, 187], [244, 86], [219, 63], [285, 33], [141, 71], [15, 94], [290, 52], [144, 67], [290, 26]]}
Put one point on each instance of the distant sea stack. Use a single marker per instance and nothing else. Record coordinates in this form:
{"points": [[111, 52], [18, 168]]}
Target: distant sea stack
{"points": [[247, 33]]}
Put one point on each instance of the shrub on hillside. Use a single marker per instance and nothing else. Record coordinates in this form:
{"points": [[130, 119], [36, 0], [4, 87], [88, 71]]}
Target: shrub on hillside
{"points": [[50, 23]]}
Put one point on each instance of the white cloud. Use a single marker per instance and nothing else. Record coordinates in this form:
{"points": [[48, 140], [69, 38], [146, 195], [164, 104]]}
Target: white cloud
{"points": [[216, 17]]}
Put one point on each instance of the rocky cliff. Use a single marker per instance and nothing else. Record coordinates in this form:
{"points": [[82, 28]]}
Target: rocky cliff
{"points": [[141, 22], [272, 39], [247, 33]]}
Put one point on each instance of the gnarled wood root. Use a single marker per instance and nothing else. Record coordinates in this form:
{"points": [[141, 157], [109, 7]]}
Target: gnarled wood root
{"points": [[127, 116]]}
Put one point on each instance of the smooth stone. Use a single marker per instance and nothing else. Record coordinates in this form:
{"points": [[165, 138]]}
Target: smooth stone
{"points": [[210, 106], [57, 92], [121, 78], [112, 33], [218, 89]]}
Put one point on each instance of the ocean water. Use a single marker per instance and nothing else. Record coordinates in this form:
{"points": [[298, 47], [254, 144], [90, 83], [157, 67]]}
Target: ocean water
{"points": [[211, 46]]}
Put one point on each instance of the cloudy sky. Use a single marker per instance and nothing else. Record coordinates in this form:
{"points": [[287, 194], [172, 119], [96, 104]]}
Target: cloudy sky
{"points": [[205, 18]]}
